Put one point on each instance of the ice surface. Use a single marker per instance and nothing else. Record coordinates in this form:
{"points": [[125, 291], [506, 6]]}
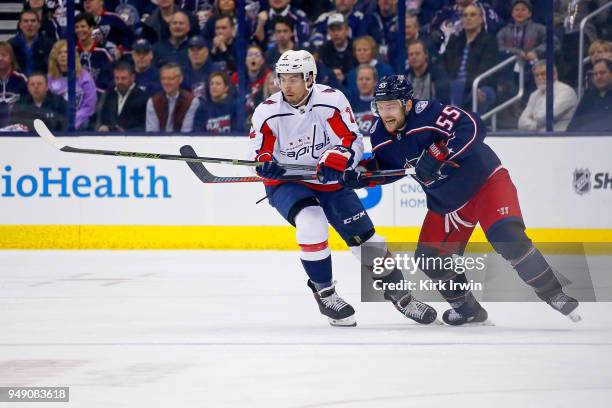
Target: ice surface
{"points": [[240, 329]]}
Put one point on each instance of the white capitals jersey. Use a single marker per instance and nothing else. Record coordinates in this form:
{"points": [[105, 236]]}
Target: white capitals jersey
{"points": [[301, 135]]}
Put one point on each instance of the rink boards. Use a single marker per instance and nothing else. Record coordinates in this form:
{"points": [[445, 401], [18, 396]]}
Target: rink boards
{"points": [[51, 199]]}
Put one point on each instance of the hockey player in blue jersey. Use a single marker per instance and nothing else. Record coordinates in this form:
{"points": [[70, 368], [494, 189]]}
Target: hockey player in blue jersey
{"points": [[465, 184]]}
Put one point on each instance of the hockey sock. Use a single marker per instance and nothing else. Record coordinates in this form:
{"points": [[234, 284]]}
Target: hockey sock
{"points": [[319, 272], [511, 242], [450, 283]]}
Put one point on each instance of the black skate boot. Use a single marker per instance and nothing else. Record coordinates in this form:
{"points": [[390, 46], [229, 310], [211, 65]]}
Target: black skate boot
{"points": [[338, 312], [414, 309], [564, 304], [466, 311]]}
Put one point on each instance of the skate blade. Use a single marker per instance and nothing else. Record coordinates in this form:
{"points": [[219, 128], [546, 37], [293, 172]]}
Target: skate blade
{"points": [[346, 322], [473, 324], [574, 317]]}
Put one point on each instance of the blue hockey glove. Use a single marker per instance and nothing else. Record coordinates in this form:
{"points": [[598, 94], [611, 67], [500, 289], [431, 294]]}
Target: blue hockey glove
{"points": [[428, 166], [333, 162], [352, 179], [270, 170]]}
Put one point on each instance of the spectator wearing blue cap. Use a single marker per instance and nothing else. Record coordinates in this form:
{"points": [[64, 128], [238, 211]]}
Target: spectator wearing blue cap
{"points": [[147, 74], [199, 68], [174, 49]]}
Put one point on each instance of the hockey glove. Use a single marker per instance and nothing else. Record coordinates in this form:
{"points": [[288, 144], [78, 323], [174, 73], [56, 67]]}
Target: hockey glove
{"points": [[428, 166], [352, 179], [333, 162], [270, 170]]}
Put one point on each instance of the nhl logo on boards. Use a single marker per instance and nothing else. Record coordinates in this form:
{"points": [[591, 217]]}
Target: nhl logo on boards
{"points": [[420, 106], [582, 181]]}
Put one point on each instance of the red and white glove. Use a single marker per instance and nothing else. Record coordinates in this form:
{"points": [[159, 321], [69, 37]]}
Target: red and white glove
{"points": [[333, 162]]}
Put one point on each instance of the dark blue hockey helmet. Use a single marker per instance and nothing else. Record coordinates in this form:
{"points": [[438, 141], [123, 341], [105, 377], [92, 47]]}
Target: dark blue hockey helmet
{"points": [[393, 87]]}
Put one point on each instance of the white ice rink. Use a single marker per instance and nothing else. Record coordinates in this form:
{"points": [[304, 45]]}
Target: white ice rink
{"points": [[240, 329]]}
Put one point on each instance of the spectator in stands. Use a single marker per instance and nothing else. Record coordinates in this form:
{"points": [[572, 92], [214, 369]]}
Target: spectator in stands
{"points": [[361, 102], [173, 109], [398, 53], [533, 117], [336, 53], [264, 34], [111, 27], [49, 27], [86, 97], [469, 54], [365, 51], [40, 104], [219, 114], [124, 107], [599, 49], [147, 74], [199, 68], [283, 33], [448, 21], [13, 83], [358, 23], [156, 26], [223, 47], [255, 77], [523, 37], [174, 49], [429, 80], [94, 57], [594, 111], [270, 86], [221, 8], [31, 48], [386, 14]]}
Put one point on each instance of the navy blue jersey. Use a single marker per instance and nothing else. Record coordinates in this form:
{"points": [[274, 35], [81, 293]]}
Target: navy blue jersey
{"points": [[148, 81], [98, 61], [217, 117], [432, 122], [363, 113], [12, 88], [114, 30]]}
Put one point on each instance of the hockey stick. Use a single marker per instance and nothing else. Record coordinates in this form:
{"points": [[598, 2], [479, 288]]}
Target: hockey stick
{"points": [[207, 177], [44, 132]]}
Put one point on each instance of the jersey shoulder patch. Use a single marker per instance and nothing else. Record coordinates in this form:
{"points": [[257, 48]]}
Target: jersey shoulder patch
{"points": [[329, 90], [269, 102], [420, 106]]}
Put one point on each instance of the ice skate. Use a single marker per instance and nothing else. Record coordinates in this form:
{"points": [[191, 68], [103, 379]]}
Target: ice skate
{"points": [[466, 312], [338, 312], [564, 304], [414, 309]]}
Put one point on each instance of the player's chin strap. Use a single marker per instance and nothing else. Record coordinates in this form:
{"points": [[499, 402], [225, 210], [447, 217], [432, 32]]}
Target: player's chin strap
{"points": [[297, 105]]}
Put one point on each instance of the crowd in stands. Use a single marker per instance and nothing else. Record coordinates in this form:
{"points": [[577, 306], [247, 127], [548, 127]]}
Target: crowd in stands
{"points": [[172, 65]]}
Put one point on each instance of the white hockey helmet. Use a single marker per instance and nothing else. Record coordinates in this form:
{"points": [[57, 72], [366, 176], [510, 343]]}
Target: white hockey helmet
{"points": [[297, 62]]}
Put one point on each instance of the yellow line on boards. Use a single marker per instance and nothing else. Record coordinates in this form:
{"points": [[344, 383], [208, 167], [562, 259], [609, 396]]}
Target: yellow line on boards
{"points": [[223, 237]]}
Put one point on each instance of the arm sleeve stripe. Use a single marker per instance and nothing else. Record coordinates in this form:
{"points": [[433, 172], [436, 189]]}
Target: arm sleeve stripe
{"points": [[424, 128], [381, 145], [341, 129], [267, 142], [471, 140]]}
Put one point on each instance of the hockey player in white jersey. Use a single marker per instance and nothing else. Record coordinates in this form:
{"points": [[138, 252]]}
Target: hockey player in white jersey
{"points": [[311, 124]]}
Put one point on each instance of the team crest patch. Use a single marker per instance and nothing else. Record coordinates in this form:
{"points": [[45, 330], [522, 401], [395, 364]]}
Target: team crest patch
{"points": [[269, 102], [329, 90], [420, 106]]}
